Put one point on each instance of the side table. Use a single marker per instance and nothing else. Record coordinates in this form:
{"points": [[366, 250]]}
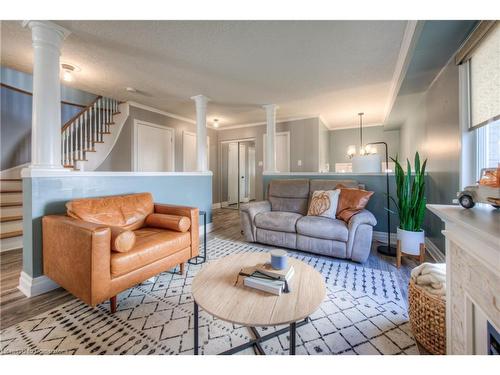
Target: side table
{"points": [[202, 258]]}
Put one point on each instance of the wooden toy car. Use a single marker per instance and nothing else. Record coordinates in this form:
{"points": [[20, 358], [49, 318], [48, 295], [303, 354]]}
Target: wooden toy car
{"points": [[486, 191]]}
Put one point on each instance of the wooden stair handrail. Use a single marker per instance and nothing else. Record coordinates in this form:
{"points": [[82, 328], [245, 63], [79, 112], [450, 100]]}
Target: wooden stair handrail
{"points": [[68, 123], [21, 91]]}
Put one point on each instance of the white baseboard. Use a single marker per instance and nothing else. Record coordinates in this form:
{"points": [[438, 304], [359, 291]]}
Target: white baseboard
{"points": [[209, 229], [382, 237], [216, 205], [32, 287], [434, 251]]}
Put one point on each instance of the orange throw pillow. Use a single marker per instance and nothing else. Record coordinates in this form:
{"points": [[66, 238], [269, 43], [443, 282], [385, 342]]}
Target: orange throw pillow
{"points": [[122, 240], [351, 201], [172, 222]]}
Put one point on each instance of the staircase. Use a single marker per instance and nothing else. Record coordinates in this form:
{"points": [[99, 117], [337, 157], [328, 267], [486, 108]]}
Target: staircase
{"points": [[83, 134], [11, 216]]}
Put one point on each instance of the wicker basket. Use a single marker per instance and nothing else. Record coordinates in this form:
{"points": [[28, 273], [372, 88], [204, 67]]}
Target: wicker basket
{"points": [[427, 319]]}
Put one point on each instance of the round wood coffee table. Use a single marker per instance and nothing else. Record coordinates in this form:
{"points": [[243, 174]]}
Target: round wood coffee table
{"points": [[218, 290]]}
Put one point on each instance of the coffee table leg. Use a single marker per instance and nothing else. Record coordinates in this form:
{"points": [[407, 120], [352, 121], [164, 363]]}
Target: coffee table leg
{"points": [[195, 328], [293, 334]]}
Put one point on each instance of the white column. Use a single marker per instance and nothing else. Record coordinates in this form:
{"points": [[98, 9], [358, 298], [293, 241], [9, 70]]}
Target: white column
{"points": [[46, 113], [201, 132], [270, 137]]}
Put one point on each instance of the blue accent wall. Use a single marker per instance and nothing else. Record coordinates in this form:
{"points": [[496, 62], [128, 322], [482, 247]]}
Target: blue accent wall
{"points": [[375, 183], [48, 195]]}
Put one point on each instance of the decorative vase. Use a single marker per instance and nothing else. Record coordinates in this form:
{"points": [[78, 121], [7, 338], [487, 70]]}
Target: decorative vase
{"points": [[410, 241]]}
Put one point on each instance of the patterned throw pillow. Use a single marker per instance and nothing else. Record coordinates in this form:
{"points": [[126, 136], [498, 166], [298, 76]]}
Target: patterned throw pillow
{"points": [[324, 203]]}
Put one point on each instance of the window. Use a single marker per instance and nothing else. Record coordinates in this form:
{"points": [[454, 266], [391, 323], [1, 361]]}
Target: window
{"points": [[484, 100], [488, 146]]}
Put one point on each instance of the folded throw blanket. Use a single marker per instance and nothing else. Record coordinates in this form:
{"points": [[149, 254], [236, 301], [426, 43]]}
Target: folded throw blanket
{"points": [[431, 277]]}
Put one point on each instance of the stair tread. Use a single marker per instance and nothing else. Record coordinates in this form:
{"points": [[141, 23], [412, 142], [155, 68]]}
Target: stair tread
{"points": [[14, 233], [4, 219], [11, 204]]}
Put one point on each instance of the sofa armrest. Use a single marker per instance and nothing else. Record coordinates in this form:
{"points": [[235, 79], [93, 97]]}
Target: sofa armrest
{"points": [[247, 216], [77, 256], [360, 228], [362, 217], [192, 213]]}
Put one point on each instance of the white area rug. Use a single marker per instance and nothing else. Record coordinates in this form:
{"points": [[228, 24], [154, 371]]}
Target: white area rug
{"points": [[363, 313]]}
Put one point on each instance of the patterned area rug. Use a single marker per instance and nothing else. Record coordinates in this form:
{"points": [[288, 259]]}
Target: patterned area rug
{"points": [[363, 313]]}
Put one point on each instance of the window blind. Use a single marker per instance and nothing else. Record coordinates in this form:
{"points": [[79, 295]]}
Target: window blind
{"points": [[485, 80]]}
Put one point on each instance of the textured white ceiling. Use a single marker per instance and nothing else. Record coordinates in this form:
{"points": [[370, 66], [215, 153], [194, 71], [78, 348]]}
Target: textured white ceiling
{"points": [[330, 68]]}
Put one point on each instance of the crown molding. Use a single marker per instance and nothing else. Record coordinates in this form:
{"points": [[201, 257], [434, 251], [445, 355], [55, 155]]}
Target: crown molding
{"points": [[411, 35], [262, 123]]}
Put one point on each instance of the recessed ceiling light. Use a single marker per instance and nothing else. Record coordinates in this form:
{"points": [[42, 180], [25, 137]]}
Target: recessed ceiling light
{"points": [[216, 123], [131, 89], [68, 70]]}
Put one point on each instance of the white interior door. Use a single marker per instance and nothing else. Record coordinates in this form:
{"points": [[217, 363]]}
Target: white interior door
{"points": [[189, 151], [251, 173], [282, 151], [243, 174], [154, 148], [232, 173]]}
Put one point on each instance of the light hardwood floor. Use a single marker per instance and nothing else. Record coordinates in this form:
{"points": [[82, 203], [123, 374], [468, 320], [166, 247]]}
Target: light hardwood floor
{"points": [[15, 307]]}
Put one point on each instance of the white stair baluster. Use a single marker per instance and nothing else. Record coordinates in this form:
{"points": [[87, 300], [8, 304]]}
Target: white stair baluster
{"points": [[84, 132], [71, 156], [80, 143], [94, 128], [99, 120], [107, 115]]}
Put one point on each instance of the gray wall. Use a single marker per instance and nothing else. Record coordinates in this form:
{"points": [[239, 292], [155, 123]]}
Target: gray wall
{"points": [[15, 120], [433, 130], [304, 145], [120, 158], [341, 139]]}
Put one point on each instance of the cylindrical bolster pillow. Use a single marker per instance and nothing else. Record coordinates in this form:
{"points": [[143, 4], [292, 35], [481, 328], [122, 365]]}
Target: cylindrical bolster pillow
{"points": [[122, 240], [172, 222]]}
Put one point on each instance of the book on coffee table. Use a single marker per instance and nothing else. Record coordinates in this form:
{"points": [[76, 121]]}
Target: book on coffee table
{"points": [[265, 285], [265, 278], [284, 274]]}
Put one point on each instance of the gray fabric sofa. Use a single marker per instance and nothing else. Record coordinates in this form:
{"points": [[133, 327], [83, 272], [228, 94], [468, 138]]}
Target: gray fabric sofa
{"points": [[281, 221]]}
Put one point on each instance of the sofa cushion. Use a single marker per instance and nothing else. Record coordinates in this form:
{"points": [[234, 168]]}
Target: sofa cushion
{"points": [[323, 227], [151, 245], [277, 221], [126, 211], [289, 195]]}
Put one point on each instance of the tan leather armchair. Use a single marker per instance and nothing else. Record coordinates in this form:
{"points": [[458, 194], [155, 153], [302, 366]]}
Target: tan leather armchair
{"points": [[84, 253]]}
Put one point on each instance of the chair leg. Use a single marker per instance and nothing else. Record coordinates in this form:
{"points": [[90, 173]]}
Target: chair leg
{"points": [[112, 302], [398, 254], [181, 271]]}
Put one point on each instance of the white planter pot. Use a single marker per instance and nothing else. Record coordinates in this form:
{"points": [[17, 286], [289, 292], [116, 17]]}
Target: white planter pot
{"points": [[410, 241]]}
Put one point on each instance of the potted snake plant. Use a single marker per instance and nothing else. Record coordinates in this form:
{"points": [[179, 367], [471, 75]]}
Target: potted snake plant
{"points": [[410, 203]]}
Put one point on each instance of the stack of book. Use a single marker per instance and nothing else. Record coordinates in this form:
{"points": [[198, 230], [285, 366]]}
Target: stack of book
{"points": [[264, 277]]}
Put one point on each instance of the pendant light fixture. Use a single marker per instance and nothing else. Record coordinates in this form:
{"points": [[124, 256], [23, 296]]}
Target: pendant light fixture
{"points": [[363, 149], [366, 160]]}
